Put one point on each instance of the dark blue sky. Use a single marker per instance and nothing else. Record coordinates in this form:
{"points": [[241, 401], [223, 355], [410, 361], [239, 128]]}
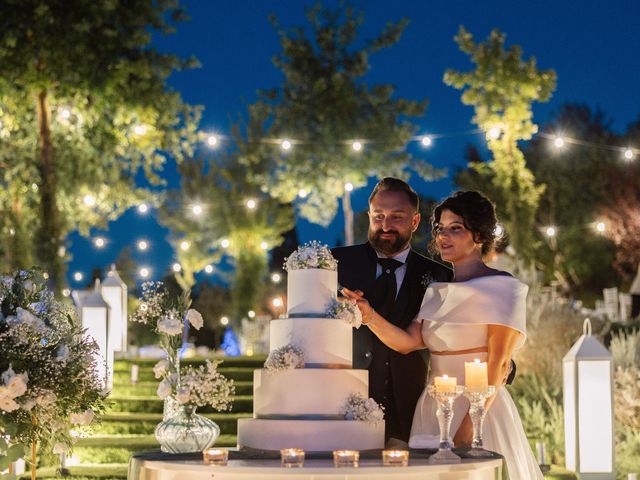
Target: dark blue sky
{"points": [[593, 45]]}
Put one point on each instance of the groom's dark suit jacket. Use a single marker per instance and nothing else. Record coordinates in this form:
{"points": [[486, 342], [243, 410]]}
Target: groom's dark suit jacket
{"points": [[395, 380]]}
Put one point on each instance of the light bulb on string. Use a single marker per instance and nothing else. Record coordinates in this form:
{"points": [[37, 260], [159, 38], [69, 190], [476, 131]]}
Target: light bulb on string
{"points": [[143, 208], [144, 272], [66, 292], [302, 193], [285, 145], [426, 141], [348, 186], [99, 242], [197, 209], [143, 245], [600, 227], [224, 321], [208, 269], [251, 314], [140, 130], [277, 302], [184, 245], [275, 278], [494, 133], [558, 142], [498, 231], [356, 146], [89, 200], [550, 231], [78, 276], [224, 243], [212, 140], [176, 267], [264, 245], [628, 154], [251, 204]]}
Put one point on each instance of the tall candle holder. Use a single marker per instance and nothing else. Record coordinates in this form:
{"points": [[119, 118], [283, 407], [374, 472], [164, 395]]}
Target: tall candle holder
{"points": [[445, 400], [477, 411]]}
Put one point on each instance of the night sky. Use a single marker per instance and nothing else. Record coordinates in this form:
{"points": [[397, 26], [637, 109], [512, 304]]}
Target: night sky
{"points": [[593, 45]]}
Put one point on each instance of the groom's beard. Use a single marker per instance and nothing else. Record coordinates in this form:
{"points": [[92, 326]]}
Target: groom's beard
{"points": [[389, 246]]}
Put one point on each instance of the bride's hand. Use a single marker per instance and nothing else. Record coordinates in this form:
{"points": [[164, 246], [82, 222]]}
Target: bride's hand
{"points": [[361, 302]]}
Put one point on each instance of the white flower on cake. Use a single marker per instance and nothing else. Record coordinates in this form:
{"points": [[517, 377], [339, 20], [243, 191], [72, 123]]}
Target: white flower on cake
{"points": [[285, 358], [357, 407], [312, 254], [346, 310]]}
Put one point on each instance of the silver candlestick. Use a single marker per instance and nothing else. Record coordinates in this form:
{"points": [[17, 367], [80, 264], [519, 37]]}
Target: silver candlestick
{"points": [[444, 413], [477, 411]]}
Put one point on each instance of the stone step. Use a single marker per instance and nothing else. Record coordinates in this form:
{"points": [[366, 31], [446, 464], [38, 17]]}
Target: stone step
{"points": [[123, 376], [252, 362], [128, 423], [243, 387], [152, 404]]}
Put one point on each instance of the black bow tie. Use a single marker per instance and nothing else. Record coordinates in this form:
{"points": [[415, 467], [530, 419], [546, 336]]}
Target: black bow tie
{"points": [[389, 265]]}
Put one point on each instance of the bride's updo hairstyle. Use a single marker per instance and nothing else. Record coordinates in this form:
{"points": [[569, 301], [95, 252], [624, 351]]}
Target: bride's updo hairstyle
{"points": [[478, 213]]}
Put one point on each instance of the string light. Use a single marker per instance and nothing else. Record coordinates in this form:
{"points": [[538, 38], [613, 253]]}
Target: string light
{"points": [[78, 276], [176, 267], [277, 302], [494, 133], [225, 243], [356, 146], [66, 292], [143, 208], [426, 141], [251, 204], [99, 242], [348, 186], [302, 193], [224, 320], [143, 245], [251, 314], [12, 231], [275, 278], [145, 272], [550, 231], [285, 144], [601, 227], [499, 230], [212, 140], [184, 245], [34, 187], [208, 269], [65, 113], [558, 142], [197, 209], [89, 200], [628, 154], [264, 245], [140, 130]]}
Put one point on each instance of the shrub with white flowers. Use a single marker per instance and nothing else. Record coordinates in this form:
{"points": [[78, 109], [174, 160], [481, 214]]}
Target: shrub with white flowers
{"points": [[357, 407], [49, 382], [205, 385], [312, 254]]}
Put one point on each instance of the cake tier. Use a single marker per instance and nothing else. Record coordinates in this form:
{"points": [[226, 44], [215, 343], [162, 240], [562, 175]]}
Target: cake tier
{"points": [[311, 291], [310, 435], [326, 342], [311, 392]]}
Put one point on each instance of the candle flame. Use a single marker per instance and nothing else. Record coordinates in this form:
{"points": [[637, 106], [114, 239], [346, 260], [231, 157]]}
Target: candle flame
{"points": [[477, 360], [445, 377]]}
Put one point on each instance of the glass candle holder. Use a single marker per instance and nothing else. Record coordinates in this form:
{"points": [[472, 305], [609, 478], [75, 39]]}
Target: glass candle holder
{"points": [[477, 411], [346, 458], [395, 458], [444, 412], [292, 457], [217, 457]]}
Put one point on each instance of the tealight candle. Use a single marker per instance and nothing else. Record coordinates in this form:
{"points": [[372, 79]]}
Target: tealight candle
{"points": [[445, 384], [216, 456], [346, 458], [292, 457], [395, 458], [632, 476], [475, 376]]}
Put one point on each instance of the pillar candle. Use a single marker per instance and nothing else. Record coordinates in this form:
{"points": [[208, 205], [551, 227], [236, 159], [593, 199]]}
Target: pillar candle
{"points": [[475, 376], [445, 383]]}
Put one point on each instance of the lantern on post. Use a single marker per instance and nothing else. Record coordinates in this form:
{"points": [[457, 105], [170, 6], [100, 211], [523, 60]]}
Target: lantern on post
{"points": [[114, 291], [588, 408], [95, 313]]}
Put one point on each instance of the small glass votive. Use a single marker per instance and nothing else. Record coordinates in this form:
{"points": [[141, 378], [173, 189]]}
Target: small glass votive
{"points": [[395, 458], [292, 457], [217, 457], [346, 458]]}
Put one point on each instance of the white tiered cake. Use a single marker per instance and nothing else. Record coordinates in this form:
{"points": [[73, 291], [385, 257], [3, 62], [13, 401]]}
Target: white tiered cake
{"points": [[304, 407]]}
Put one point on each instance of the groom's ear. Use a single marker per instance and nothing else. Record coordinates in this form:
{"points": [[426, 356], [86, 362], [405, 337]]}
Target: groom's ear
{"points": [[415, 222]]}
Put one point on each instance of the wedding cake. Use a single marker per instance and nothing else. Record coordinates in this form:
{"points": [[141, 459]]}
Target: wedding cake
{"points": [[308, 396]]}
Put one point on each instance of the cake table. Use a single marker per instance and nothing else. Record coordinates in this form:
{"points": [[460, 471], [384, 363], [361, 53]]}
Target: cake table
{"points": [[158, 466]]}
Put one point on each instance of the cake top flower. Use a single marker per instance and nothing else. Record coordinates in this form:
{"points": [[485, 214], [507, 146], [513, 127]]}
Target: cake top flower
{"points": [[312, 254]]}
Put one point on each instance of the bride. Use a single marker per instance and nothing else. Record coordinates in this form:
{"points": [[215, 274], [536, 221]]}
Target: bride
{"points": [[480, 315]]}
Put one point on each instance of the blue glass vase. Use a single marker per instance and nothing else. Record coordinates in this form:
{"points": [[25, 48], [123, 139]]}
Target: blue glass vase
{"points": [[186, 431]]}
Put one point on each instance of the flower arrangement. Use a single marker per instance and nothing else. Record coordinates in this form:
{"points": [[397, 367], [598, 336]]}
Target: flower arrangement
{"points": [[205, 386], [284, 358], [346, 310], [312, 254], [49, 381], [357, 407]]}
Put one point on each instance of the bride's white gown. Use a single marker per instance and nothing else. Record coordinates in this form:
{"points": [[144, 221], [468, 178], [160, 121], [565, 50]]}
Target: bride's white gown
{"points": [[456, 316]]}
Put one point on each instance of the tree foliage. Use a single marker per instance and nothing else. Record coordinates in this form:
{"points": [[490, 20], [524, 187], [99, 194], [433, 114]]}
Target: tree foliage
{"points": [[323, 105], [84, 108], [502, 88]]}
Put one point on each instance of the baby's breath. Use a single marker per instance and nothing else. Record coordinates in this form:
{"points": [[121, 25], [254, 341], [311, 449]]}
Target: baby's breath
{"points": [[311, 255]]}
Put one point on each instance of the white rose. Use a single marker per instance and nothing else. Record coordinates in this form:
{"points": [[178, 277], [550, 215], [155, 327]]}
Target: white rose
{"points": [[170, 326], [183, 395], [60, 447], [17, 385], [160, 368], [8, 404], [195, 319], [84, 418], [62, 354], [164, 389], [25, 316], [7, 375]]}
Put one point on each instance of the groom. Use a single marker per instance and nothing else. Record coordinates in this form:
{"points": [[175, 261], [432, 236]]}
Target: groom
{"points": [[393, 278]]}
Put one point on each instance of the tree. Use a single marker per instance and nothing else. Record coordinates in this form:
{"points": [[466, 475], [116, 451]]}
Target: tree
{"points": [[84, 108], [502, 89], [228, 226], [322, 107]]}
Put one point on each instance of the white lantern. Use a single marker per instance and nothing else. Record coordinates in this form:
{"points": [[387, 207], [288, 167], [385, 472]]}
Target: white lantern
{"points": [[588, 408], [95, 314], [114, 291]]}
